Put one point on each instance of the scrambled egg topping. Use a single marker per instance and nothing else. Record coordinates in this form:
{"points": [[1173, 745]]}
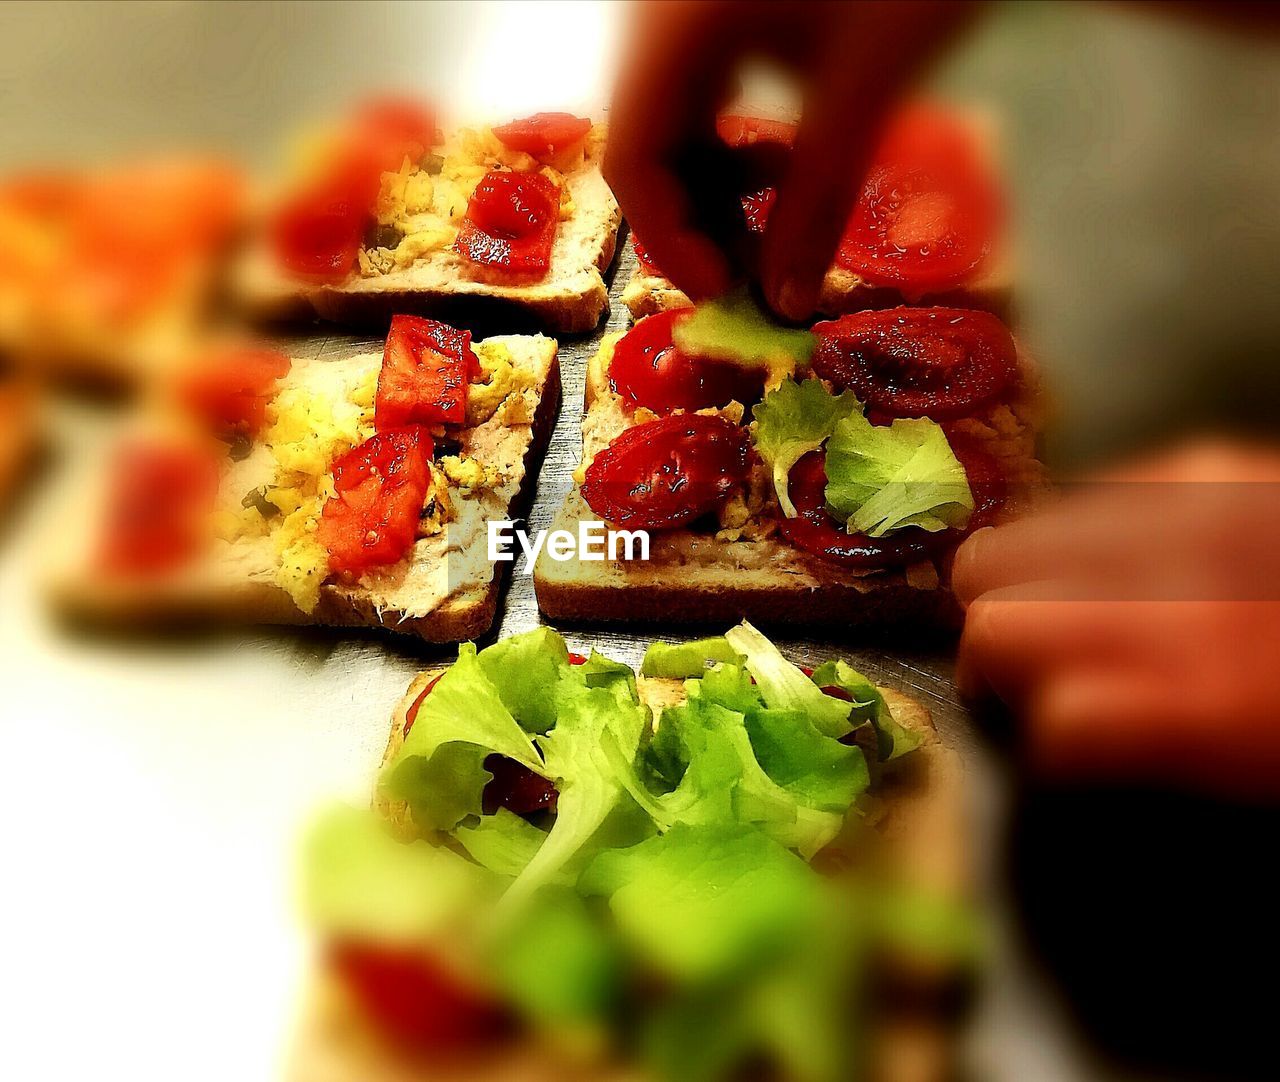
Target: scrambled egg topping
{"points": [[307, 431], [419, 206]]}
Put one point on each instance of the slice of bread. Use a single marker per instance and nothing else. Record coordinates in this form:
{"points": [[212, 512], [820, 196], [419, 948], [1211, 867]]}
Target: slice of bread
{"points": [[445, 590], [919, 809], [570, 298], [717, 578]]}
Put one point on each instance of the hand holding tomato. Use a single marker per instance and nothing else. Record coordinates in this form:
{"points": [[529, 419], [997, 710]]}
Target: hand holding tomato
{"points": [[854, 59], [1135, 627]]}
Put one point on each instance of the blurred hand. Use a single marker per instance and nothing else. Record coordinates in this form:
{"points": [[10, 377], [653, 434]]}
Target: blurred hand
{"points": [[853, 60], [1135, 627]]}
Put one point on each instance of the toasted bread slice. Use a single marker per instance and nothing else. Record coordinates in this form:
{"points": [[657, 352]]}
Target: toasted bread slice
{"points": [[444, 590], [920, 811], [571, 297], [717, 578]]}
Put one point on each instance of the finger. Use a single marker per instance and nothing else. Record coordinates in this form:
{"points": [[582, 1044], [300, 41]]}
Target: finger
{"points": [[665, 103], [871, 54], [1013, 636], [1142, 723]]}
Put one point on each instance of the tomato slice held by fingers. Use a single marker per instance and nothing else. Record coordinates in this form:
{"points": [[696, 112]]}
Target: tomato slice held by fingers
{"points": [[648, 370], [543, 134], [427, 367], [929, 209], [380, 488], [667, 472], [918, 362], [511, 223]]}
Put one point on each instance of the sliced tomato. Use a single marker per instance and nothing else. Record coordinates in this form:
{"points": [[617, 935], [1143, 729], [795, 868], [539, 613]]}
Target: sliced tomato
{"points": [[644, 258], [381, 486], [648, 370], [427, 367], [158, 501], [317, 234], [740, 131], [411, 715], [918, 362], [929, 210], [543, 134], [817, 532], [229, 389], [517, 788], [667, 472], [511, 223], [405, 126], [414, 999]]}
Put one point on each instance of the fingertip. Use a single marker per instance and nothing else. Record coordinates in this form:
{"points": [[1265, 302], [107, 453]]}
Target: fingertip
{"points": [[966, 574]]}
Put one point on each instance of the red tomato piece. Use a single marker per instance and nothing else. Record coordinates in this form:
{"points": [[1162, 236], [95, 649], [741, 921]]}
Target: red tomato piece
{"points": [[230, 389], [648, 370], [918, 362], [756, 207], [740, 131], [415, 1000], [577, 659], [817, 532], [511, 223], [427, 367], [643, 258], [665, 473], [411, 715], [317, 235], [928, 212], [543, 134], [403, 125], [517, 788], [157, 507], [381, 486]]}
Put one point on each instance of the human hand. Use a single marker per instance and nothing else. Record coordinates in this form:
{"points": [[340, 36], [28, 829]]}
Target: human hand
{"points": [[853, 61], [1135, 627]]}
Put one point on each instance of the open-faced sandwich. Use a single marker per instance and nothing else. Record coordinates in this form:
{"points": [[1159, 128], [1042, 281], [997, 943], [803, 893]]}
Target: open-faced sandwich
{"points": [[716, 870], [386, 215], [876, 443], [924, 230], [108, 276], [344, 491]]}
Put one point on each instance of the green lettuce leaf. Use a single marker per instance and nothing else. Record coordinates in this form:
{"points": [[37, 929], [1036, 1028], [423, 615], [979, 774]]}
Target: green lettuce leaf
{"points": [[679, 660], [722, 783], [358, 880], [819, 770], [892, 740], [597, 734], [794, 419], [526, 670], [504, 843], [703, 903], [558, 964], [736, 328], [785, 687], [881, 479], [439, 769]]}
